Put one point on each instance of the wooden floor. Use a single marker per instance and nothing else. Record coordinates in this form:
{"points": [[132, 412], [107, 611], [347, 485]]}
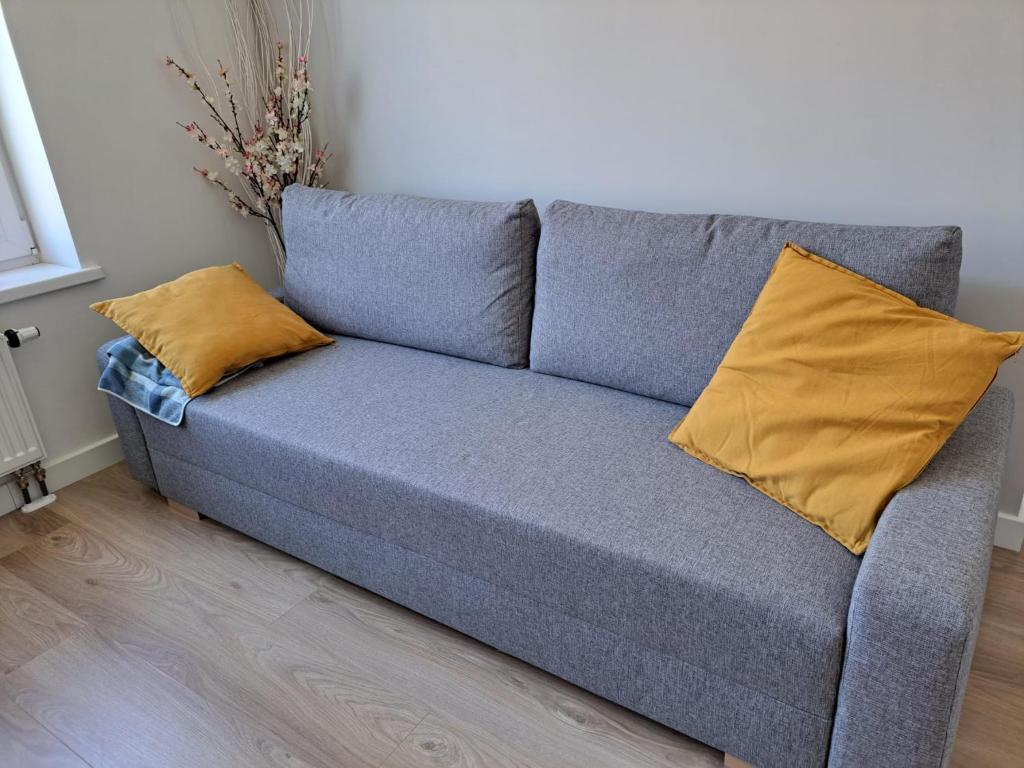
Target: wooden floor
{"points": [[131, 636]]}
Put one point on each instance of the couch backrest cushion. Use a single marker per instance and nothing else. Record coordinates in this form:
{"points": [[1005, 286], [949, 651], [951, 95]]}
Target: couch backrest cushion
{"points": [[441, 275], [649, 303]]}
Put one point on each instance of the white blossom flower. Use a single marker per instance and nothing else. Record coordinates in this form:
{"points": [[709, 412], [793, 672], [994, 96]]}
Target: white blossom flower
{"points": [[272, 152]]}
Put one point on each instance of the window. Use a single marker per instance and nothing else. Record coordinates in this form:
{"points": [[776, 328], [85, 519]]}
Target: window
{"points": [[37, 252], [17, 248]]}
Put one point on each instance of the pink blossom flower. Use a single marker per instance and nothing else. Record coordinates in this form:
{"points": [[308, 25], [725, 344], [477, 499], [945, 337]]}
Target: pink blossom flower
{"points": [[268, 155]]}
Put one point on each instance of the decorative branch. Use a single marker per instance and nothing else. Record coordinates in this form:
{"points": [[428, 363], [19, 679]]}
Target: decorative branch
{"points": [[265, 142]]}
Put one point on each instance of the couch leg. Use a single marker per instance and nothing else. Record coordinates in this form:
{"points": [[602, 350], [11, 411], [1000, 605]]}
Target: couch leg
{"points": [[735, 762], [186, 512]]}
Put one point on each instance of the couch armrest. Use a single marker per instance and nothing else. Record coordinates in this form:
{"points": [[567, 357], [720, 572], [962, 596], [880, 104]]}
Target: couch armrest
{"points": [[917, 602], [129, 429]]}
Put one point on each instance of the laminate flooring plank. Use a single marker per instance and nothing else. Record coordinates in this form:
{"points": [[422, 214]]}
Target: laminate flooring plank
{"points": [[324, 706], [26, 744], [119, 713], [30, 622], [261, 579], [482, 691], [18, 529]]}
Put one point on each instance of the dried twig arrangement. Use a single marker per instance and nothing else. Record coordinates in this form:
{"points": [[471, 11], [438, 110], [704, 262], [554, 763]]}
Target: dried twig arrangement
{"points": [[263, 119]]}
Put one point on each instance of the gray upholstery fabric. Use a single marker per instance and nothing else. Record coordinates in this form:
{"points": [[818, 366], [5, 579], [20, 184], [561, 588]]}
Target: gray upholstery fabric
{"points": [[649, 303], [126, 422], [683, 696], [444, 275], [551, 489], [551, 519], [917, 602]]}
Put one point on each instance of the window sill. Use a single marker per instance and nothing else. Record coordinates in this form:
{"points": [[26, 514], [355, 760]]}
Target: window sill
{"points": [[35, 279]]}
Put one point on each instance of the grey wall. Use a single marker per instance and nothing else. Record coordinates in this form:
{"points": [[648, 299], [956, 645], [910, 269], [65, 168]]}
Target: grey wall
{"points": [[882, 112]]}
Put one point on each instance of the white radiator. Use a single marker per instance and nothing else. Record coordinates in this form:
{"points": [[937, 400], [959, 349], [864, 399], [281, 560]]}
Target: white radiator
{"points": [[19, 438]]}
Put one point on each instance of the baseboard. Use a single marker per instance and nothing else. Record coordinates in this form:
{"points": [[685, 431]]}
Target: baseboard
{"points": [[67, 469], [1010, 530]]}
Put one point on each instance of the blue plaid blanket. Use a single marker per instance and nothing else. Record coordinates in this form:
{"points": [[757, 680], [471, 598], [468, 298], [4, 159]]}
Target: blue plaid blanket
{"points": [[137, 377]]}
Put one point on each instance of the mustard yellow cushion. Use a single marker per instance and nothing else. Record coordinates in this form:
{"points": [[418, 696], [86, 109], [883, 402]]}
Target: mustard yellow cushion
{"points": [[837, 392], [209, 322]]}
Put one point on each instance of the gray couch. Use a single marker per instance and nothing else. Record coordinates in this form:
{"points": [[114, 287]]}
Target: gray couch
{"points": [[486, 444]]}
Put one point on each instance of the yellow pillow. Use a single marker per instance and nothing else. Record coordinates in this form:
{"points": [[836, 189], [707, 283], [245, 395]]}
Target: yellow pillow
{"points": [[209, 322], [837, 392]]}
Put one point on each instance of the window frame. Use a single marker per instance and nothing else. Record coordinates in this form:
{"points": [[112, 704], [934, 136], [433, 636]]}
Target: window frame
{"points": [[17, 244], [37, 213]]}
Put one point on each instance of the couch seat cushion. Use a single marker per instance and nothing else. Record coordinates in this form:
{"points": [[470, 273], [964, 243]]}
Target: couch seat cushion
{"points": [[564, 492]]}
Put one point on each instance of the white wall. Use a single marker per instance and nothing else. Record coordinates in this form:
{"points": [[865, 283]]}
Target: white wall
{"points": [[874, 112], [106, 108]]}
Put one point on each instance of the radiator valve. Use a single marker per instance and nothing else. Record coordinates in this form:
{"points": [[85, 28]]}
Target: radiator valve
{"points": [[18, 336]]}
